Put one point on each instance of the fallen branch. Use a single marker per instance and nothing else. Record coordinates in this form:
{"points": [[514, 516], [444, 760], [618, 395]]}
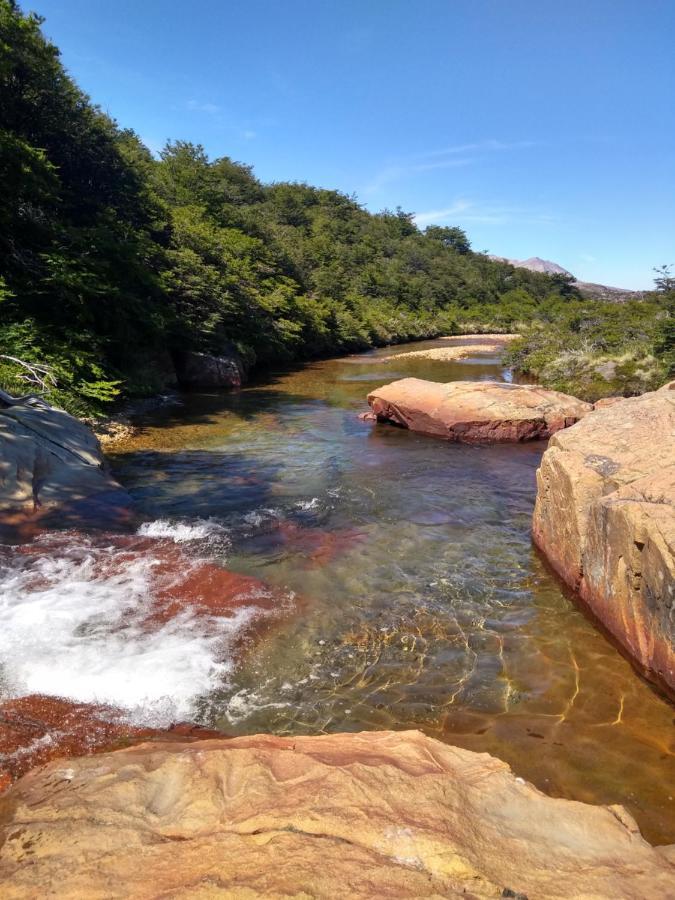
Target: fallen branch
{"points": [[37, 374]]}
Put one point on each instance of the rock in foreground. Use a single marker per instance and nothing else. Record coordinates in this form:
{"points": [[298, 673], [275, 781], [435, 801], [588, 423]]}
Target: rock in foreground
{"points": [[49, 459], [605, 518], [476, 411], [348, 815]]}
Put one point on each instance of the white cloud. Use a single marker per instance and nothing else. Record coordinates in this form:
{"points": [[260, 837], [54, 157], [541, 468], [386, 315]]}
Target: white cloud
{"points": [[468, 212], [434, 216], [398, 172], [490, 145], [248, 134], [446, 158], [586, 257]]}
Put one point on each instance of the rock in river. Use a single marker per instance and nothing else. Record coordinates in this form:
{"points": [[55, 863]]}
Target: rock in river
{"points": [[605, 518], [345, 815], [474, 411]]}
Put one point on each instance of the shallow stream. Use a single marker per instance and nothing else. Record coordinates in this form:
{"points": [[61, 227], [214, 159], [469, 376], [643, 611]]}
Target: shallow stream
{"points": [[411, 596]]}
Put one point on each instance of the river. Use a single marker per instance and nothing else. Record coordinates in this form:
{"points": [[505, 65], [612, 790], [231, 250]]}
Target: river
{"points": [[408, 592]]}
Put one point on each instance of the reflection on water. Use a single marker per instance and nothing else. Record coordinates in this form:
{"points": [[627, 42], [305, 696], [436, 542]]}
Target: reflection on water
{"points": [[424, 604]]}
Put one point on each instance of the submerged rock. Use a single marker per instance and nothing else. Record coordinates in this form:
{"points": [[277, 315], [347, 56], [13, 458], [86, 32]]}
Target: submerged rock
{"points": [[353, 815], [476, 411], [49, 459], [605, 519]]}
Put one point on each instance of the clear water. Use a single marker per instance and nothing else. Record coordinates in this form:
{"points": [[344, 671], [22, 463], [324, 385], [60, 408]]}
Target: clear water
{"points": [[419, 600]]}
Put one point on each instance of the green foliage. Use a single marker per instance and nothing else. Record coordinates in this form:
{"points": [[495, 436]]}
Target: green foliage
{"points": [[665, 280], [597, 349], [112, 260], [76, 380]]}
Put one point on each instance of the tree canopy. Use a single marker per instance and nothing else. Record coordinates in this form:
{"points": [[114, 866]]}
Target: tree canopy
{"points": [[112, 259]]}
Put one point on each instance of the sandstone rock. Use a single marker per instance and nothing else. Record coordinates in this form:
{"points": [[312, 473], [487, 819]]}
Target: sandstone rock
{"points": [[605, 518], [476, 410], [349, 815], [50, 459], [203, 370]]}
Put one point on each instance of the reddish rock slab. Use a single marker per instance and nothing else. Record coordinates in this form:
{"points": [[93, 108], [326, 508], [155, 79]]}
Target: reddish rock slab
{"points": [[377, 814], [605, 519], [37, 729], [476, 411]]}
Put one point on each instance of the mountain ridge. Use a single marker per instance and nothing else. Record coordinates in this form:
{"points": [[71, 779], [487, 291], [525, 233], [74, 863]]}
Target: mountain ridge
{"points": [[590, 289]]}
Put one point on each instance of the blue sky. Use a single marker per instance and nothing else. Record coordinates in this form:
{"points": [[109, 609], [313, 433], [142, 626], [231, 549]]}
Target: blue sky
{"points": [[542, 127]]}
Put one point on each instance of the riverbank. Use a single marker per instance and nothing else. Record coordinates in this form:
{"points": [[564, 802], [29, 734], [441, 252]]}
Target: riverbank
{"points": [[122, 425]]}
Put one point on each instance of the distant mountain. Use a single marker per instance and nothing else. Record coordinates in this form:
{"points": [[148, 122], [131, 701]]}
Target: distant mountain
{"points": [[535, 264], [587, 288]]}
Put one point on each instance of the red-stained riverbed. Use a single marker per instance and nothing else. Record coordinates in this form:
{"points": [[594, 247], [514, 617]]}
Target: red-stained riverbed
{"points": [[397, 572]]}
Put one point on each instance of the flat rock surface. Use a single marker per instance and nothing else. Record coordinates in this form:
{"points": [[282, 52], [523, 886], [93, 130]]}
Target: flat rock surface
{"points": [[347, 815], [476, 411], [605, 518]]}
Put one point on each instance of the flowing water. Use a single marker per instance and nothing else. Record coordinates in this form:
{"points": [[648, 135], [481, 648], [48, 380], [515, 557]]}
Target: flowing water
{"points": [[408, 591]]}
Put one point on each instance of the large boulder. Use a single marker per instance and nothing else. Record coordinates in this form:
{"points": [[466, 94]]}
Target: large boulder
{"points": [[49, 459], [346, 815], [203, 371], [605, 518], [476, 411]]}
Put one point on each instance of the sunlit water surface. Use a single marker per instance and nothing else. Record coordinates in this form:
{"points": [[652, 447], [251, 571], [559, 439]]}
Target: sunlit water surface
{"points": [[420, 600]]}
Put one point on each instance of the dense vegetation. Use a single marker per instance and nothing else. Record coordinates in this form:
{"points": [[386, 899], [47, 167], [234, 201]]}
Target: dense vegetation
{"points": [[111, 261]]}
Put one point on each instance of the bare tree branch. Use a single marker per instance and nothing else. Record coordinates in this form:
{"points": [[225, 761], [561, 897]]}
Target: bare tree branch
{"points": [[37, 374]]}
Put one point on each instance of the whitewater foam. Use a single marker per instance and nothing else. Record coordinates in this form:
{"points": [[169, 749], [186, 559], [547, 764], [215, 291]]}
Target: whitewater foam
{"points": [[307, 505], [181, 532], [74, 623]]}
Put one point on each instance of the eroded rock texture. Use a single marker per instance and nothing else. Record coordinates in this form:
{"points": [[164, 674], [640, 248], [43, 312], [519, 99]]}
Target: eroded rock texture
{"points": [[605, 518], [348, 815], [475, 411]]}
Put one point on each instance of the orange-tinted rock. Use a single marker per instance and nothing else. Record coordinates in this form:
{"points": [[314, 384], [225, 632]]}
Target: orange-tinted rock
{"points": [[37, 729], [605, 518], [347, 815], [476, 411]]}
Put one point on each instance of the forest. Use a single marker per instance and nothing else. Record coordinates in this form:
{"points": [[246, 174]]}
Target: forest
{"points": [[112, 260]]}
